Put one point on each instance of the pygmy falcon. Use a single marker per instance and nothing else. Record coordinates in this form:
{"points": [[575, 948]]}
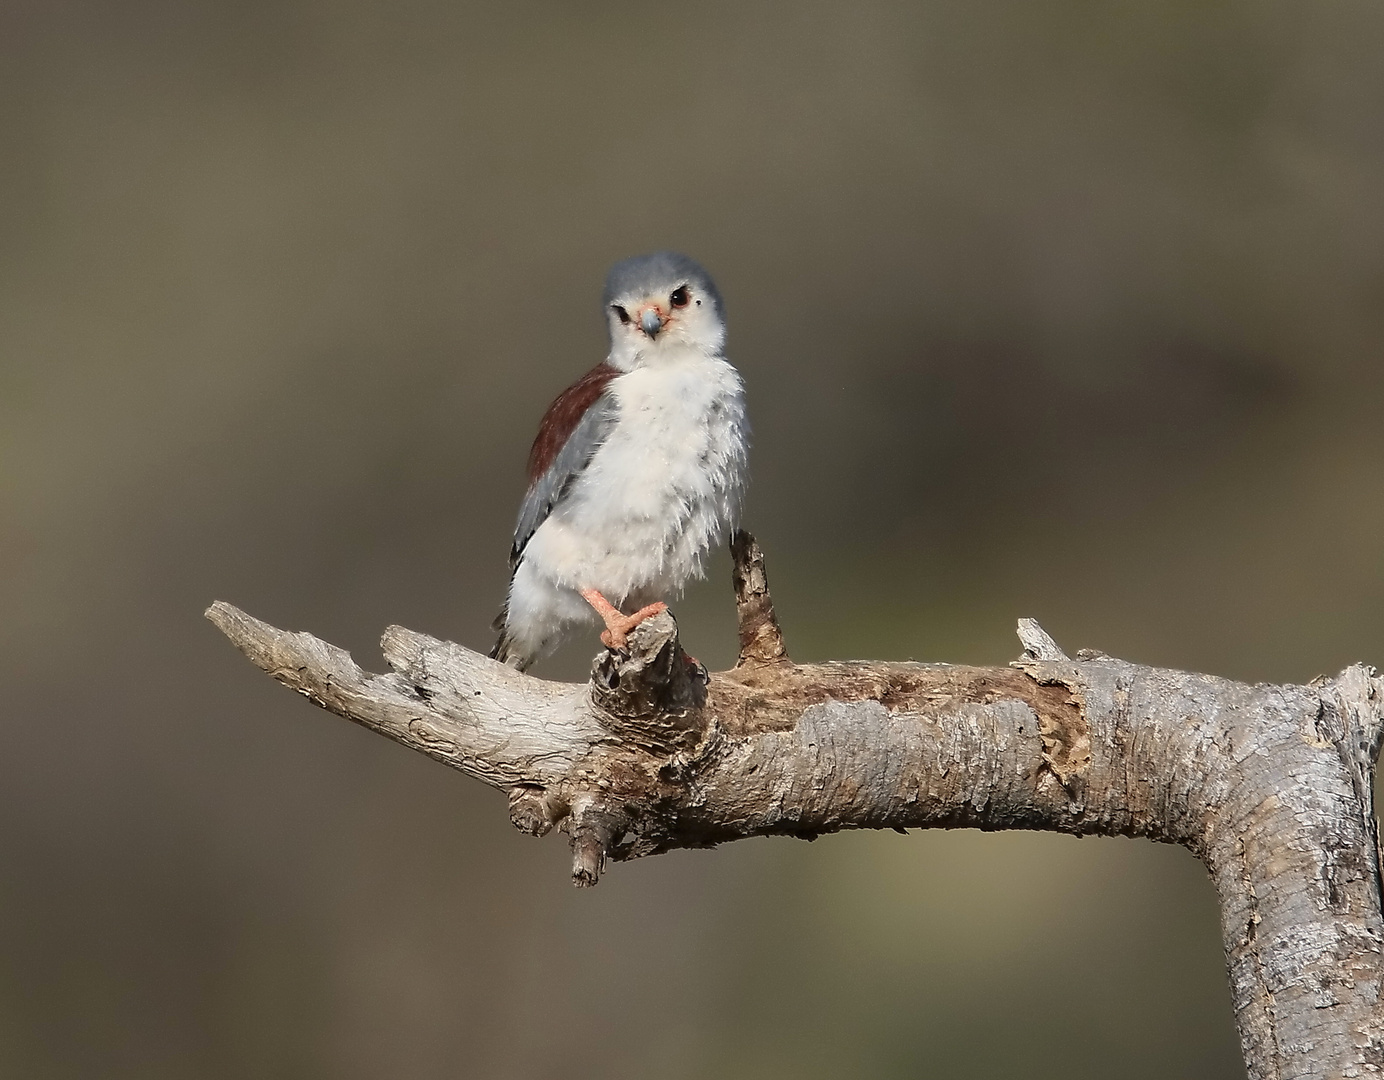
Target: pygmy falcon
{"points": [[637, 470]]}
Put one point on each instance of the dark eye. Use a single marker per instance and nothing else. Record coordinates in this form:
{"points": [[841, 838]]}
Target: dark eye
{"points": [[679, 297], [624, 315]]}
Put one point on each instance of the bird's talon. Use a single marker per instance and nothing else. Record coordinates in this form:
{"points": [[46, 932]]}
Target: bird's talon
{"points": [[611, 641], [618, 626]]}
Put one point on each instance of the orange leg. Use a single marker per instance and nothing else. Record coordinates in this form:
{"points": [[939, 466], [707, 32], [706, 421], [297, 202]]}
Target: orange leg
{"points": [[617, 624]]}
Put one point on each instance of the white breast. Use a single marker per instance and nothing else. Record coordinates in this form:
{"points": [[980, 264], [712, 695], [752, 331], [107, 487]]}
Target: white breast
{"points": [[665, 486]]}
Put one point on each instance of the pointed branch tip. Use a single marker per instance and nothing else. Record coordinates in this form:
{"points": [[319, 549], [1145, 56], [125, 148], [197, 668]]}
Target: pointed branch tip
{"points": [[761, 639], [1038, 643]]}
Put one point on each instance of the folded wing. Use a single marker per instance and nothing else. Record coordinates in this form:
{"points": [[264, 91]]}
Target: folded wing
{"points": [[572, 430]]}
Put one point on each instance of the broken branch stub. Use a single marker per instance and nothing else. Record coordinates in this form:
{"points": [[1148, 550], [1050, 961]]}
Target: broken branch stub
{"points": [[1269, 785], [761, 640], [650, 694]]}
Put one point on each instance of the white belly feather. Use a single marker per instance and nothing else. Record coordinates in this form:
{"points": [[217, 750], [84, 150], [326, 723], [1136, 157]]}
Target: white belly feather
{"points": [[659, 493]]}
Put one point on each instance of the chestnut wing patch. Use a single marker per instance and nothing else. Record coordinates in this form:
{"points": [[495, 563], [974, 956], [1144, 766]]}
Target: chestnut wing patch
{"points": [[572, 430], [564, 415]]}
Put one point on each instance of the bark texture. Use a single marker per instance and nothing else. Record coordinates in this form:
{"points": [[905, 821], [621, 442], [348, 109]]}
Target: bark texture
{"points": [[1270, 786]]}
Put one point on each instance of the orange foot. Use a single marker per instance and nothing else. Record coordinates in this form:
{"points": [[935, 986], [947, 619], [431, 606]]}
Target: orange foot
{"points": [[618, 625]]}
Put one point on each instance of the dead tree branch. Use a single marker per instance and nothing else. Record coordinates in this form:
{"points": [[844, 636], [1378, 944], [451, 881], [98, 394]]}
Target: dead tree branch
{"points": [[1270, 786]]}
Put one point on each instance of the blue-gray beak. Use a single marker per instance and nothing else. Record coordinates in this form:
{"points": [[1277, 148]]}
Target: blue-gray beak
{"points": [[650, 322]]}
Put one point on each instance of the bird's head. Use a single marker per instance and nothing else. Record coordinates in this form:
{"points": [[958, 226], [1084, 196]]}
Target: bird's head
{"points": [[659, 304]]}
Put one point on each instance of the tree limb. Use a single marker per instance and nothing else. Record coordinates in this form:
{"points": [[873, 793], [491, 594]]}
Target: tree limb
{"points": [[1270, 786]]}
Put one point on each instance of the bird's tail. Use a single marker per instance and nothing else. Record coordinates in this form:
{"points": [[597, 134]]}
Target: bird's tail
{"points": [[507, 650]]}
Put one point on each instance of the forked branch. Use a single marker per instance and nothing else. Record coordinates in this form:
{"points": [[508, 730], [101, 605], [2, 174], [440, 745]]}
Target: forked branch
{"points": [[1271, 786]]}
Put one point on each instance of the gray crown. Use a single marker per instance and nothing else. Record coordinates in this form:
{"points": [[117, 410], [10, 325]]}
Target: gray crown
{"points": [[653, 273]]}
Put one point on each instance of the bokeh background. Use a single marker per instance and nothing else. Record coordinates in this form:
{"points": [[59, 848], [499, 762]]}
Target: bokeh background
{"points": [[1070, 310]]}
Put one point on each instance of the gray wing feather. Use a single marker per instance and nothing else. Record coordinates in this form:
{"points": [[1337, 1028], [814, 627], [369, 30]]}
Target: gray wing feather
{"points": [[570, 462]]}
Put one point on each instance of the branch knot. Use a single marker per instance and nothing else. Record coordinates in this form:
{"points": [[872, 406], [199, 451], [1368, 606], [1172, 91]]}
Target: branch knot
{"points": [[650, 695]]}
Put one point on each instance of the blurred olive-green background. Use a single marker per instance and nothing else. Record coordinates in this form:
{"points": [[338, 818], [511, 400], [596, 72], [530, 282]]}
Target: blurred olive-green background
{"points": [[1067, 310]]}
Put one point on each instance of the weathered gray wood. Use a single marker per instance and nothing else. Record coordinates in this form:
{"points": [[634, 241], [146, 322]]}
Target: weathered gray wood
{"points": [[1271, 786]]}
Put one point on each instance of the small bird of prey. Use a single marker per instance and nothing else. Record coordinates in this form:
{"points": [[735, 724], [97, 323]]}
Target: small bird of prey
{"points": [[637, 470]]}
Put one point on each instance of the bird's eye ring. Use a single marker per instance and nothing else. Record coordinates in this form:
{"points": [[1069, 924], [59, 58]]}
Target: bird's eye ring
{"points": [[624, 315], [679, 297]]}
